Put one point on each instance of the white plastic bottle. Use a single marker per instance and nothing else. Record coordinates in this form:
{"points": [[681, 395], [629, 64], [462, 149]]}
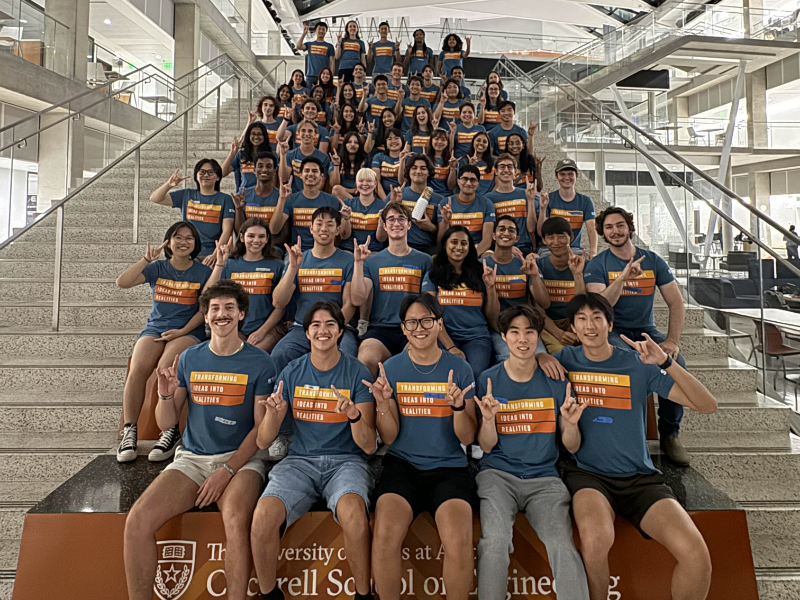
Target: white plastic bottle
{"points": [[422, 204]]}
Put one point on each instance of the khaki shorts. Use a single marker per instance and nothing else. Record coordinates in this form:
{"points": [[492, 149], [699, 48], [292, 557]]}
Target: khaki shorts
{"points": [[199, 467]]}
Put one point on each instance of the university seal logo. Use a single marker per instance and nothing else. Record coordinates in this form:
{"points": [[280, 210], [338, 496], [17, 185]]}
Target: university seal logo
{"points": [[175, 568]]}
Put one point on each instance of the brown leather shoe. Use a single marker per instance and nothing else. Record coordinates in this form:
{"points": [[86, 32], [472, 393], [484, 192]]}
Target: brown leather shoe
{"points": [[672, 447]]}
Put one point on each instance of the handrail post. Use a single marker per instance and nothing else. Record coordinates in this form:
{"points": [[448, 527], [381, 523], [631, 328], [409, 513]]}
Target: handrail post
{"points": [[57, 266], [239, 103], [186, 144], [218, 108], [137, 163]]}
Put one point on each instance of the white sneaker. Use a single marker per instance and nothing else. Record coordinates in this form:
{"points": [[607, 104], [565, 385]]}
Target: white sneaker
{"points": [[279, 448], [126, 451], [166, 444]]}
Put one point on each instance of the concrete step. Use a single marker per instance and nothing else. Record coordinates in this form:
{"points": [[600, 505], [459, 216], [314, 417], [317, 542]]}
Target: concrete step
{"points": [[119, 249], [129, 316], [774, 536], [113, 204], [22, 269], [738, 428], [26, 418], [702, 342], [74, 373], [55, 465], [11, 519], [723, 374], [90, 442], [694, 318], [99, 398], [162, 218], [66, 343], [6, 587], [778, 584], [752, 476], [71, 290], [9, 552], [96, 235]]}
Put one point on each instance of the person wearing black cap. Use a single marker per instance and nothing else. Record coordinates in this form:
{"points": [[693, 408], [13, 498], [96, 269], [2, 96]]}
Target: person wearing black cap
{"points": [[565, 202]]}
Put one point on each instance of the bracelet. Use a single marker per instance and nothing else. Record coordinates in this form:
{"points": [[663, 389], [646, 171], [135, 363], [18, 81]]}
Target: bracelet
{"points": [[356, 420], [463, 406], [161, 397], [146, 259], [451, 347], [227, 467], [666, 364]]}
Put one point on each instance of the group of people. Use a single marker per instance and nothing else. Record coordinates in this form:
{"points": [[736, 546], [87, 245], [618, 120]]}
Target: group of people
{"points": [[318, 316]]}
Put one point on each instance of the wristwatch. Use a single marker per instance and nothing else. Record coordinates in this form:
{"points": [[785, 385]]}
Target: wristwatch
{"points": [[356, 420], [666, 364], [227, 467]]}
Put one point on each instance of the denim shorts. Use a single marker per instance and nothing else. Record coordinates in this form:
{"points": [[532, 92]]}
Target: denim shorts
{"points": [[299, 481]]}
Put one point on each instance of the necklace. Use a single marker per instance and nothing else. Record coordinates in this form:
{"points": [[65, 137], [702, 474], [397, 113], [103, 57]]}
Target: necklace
{"points": [[231, 354], [421, 372], [178, 274]]}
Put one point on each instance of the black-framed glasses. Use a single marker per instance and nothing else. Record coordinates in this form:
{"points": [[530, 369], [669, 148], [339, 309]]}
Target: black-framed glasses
{"points": [[208, 172], [424, 322], [393, 220]]}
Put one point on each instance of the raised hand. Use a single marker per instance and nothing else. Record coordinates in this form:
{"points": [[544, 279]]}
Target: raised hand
{"points": [[344, 405], [532, 129], [251, 116], [397, 45], [396, 194], [283, 148], [305, 28], [238, 199], [220, 254], [473, 160], [369, 45], [295, 253], [453, 127], [435, 123], [455, 395], [576, 262], [344, 210], [335, 158], [274, 404], [168, 378], [401, 94], [530, 191], [571, 410], [518, 253], [286, 189], [153, 254], [235, 145], [409, 48], [371, 127], [539, 160], [339, 38], [447, 210], [361, 126], [405, 153], [488, 404], [633, 269], [489, 275], [529, 266], [650, 352], [544, 201], [381, 390], [361, 251], [175, 179]]}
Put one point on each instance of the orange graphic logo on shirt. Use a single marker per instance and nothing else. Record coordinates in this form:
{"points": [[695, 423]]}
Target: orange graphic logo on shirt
{"points": [[360, 92], [441, 172], [643, 285], [605, 390], [511, 208], [450, 112], [175, 292], [317, 405], [408, 111], [254, 283], [364, 221], [321, 118], [272, 135], [452, 55], [465, 137], [531, 415], [320, 280], [203, 213], [221, 389], [351, 46], [393, 93], [262, 212], [501, 141], [462, 296], [429, 96], [486, 173], [511, 286], [399, 279], [301, 217], [247, 166], [491, 116], [389, 169], [574, 217], [318, 49], [423, 400], [560, 291], [473, 221], [285, 113], [420, 141], [376, 109], [384, 51]]}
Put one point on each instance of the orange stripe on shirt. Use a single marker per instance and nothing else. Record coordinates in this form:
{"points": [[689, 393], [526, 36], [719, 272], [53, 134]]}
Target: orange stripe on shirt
{"points": [[460, 297]]}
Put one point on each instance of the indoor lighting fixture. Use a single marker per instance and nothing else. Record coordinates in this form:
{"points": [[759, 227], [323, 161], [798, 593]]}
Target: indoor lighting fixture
{"points": [[609, 166], [158, 57], [23, 20], [107, 22]]}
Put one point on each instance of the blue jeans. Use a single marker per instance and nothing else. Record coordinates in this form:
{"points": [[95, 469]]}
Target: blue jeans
{"points": [[501, 352], [669, 413], [295, 344], [478, 351]]}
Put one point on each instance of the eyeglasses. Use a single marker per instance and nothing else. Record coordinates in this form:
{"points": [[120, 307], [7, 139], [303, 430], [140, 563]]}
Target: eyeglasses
{"points": [[468, 180], [393, 220], [504, 167], [180, 238], [208, 172], [425, 323]]}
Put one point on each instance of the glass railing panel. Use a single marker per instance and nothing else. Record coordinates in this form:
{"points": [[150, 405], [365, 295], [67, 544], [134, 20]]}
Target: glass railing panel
{"points": [[29, 33]]}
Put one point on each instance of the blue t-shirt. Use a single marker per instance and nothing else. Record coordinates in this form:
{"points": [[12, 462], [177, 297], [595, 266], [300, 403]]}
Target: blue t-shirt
{"points": [[427, 438], [527, 438], [375, 108], [634, 309], [560, 287], [511, 283], [450, 112], [262, 207], [418, 58], [491, 116], [363, 223], [244, 172], [221, 395], [409, 106], [614, 424], [462, 308], [206, 213], [383, 56], [514, 204], [472, 215], [318, 57], [394, 90], [299, 208], [351, 51], [322, 135], [450, 59], [258, 278], [393, 278], [318, 430], [498, 137], [272, 132], [429, 92], [175, 293], [294, 158], [576, 212], [418, 239], [419, 142], [389, 168], [438, 182], [464, 137], [320, 279], [486, 184], [363, 88]]}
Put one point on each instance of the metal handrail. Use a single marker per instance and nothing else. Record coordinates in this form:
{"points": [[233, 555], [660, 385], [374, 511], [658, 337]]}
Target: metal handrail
{"points": [[633, 143], [270, 72]]}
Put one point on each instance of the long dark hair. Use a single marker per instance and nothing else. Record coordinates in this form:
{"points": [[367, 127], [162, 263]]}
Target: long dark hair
{"points": [[489, 103], [291, 79], [240, 249], [382, 131], [446, 153], [499, 81], [347, 33], [414, 38], [443, 274], [525, 161], [459, 43], [215, 166], [348, 127], [249, 151], [415, 125], [487, 154], [280, 89], [360, 159], [173, 229], [330, 89], [343, 100]]}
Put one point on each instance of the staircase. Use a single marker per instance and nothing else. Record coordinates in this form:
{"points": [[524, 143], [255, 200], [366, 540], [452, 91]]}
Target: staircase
{"points": [[61, 396]]}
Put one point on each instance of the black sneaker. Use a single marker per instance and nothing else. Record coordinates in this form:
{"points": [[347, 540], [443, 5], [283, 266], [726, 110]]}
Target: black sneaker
{"points": [[126, 451], [166, 444]]}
